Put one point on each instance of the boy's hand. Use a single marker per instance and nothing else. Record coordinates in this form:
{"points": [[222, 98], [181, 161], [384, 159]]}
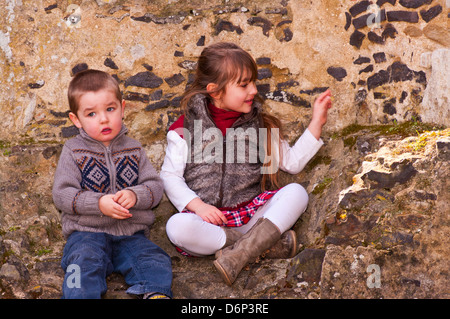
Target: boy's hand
{"points": [[320, 113], [110, 208], [125, 198], [207, 212]]}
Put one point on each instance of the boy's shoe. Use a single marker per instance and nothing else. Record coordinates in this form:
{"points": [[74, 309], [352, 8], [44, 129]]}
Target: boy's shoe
{"points": [[155, 295]]}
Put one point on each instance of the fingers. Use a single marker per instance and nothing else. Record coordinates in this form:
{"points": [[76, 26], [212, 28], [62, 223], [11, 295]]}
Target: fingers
{"points": [[119, 212], [125, 198]]}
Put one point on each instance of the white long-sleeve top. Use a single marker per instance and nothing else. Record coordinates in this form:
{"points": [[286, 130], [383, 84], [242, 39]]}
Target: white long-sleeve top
{"points": [[293, 160]]}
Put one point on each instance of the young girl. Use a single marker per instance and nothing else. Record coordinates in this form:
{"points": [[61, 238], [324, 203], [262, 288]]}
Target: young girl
{"points": [[230, 206]]}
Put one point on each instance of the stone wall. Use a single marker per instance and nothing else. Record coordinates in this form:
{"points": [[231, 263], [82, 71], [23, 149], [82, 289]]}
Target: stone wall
{"points": [[377, 59], [386, 63]]}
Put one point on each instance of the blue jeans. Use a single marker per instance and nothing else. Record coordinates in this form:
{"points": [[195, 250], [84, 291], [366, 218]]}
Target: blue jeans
{"points": [[88, 258]]}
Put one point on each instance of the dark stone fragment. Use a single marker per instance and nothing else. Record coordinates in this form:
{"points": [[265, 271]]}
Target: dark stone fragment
{"points": [[381, 2], [69, 131], [308, 265], [147, 66], [36, 85], [263, 61], [375, 38], [185, 27], [286, 97], [389, 107], [263, 89], [379, 95], [264, 73], [443, 148], [49, 152], [79, 67], [405, 16], [348, 21], [357, 38], [367, 69], [157, 95], [110, 64], [134, 96], [337, 72], [175, 80], [158, 105], [420, 76], [389, 31], [359, 7], [403, 96], [145, 80], [287, 84], [201, 41], [360, 96], [265, 24], [175, 102], [378, 79], [422, 195], [60, 114], [361, 60], [379, 57], [223, 25], [428, 15], [368, 19], [414, 4], [50, 8], [399, 72], [288, 35], [314, 91], [179, 53], [401, 174], [395, 239]]}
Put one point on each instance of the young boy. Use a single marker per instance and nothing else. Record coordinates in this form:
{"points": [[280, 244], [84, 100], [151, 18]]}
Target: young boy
{"points": [[105, 187]]}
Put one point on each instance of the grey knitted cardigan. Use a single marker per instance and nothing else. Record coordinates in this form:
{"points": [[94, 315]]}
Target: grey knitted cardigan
{"points": [[226, 184], [87, 170]]}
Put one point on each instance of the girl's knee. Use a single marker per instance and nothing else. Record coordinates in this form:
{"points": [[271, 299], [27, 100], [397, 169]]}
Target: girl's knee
{"points": [[180, 228], [297, 191]]}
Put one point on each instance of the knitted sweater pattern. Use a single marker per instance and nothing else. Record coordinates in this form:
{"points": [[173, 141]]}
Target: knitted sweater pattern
{"points": [[87, 170]]}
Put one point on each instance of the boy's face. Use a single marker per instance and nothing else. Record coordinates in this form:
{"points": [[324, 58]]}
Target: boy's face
{"points": [[100, 115]]}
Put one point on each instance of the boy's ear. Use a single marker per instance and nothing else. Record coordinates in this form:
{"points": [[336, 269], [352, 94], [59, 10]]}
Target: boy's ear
{"points": [[123, 109], [75, 119]]}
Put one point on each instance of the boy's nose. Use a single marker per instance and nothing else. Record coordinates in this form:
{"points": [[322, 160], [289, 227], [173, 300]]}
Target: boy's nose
{"points": [[103, 118]]}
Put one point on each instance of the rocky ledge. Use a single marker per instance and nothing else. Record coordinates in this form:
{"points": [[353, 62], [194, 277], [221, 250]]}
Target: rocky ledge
{"points": [[376, 226]]}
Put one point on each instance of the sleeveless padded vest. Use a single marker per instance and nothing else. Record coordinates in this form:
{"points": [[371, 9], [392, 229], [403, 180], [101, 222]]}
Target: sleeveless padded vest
{"points": [[222, 171]]}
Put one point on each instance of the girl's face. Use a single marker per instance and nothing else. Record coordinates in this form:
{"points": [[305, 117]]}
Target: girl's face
{"points": [[237, 97], [100, 115]]}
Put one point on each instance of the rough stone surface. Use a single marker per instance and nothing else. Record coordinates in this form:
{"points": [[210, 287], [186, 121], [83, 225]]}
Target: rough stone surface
{"points": [[378, 189]]}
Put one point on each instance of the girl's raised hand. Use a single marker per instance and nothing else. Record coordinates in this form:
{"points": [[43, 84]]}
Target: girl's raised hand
{"points": [[320, 113]]}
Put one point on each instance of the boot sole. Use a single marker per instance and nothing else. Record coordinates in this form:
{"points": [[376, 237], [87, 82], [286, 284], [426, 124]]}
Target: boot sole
{"points": [[223, 273]]}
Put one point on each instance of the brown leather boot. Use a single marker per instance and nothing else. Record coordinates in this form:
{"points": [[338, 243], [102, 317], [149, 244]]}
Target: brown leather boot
{"points": [[285, 247], [262, 236]]}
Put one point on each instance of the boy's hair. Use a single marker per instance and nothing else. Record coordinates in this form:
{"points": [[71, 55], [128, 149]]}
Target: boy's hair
{"points": [[90, 81], [222, 63]]}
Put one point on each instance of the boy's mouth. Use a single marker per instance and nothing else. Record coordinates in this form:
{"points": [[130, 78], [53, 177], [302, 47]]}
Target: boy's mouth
{"points": [[106, 131]]}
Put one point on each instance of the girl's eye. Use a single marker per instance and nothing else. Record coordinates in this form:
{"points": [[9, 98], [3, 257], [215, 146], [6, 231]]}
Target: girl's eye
{"points": [[244, 85]]}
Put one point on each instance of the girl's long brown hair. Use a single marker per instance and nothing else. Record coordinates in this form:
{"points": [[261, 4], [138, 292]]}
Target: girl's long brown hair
{"points": [[225, 62]]}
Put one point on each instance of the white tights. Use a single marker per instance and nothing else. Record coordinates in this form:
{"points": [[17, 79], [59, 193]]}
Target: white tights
{"points": [[197, 237]]}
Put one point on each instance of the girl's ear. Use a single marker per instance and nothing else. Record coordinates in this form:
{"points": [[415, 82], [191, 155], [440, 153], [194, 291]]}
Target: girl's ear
{"points": [[75, 119], [211, 88]]}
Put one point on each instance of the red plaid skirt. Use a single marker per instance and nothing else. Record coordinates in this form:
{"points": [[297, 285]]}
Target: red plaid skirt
{"points": [[240, 215]]}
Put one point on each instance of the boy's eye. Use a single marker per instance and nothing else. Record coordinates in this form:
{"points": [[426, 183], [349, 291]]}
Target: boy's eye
{"points": [[110, 109], [91, 114]]}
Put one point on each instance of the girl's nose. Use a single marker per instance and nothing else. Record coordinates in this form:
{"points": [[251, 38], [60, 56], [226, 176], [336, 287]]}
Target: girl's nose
{"points": [[252, 88]]}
